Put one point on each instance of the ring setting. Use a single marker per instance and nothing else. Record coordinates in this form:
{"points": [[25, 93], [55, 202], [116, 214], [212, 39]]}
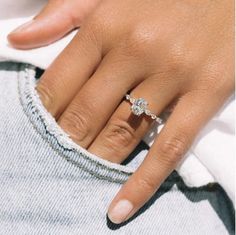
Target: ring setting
{"points": [[139, 106]]}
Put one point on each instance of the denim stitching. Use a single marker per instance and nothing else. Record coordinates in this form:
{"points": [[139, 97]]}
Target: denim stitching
{"points": [[32, 108]]}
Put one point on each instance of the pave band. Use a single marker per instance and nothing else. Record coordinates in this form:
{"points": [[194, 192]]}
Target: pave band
{"points": [[139, 106]]}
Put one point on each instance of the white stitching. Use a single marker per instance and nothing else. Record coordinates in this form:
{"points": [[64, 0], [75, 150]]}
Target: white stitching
{"points": [[31, 105]]}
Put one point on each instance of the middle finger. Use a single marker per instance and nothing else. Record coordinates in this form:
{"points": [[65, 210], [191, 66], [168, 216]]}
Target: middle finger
{"points": [[98, 98]]}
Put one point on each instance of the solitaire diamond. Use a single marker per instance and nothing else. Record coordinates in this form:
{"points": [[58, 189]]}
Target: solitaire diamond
{"points": [[139, 106]]}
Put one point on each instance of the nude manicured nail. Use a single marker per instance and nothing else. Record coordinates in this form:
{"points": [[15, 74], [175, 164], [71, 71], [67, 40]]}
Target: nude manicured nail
{"points": [[120, 211], [23, 27]]}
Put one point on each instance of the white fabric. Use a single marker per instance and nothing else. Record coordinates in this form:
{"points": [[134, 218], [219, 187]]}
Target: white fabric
{"points": [[210, 159]]}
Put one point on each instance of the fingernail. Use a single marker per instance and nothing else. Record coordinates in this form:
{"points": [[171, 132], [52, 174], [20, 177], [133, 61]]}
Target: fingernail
{"points": [[120, 211], [22, 27]]}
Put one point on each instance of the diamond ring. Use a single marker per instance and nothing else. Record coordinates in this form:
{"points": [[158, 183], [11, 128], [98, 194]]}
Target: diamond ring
{"points": [[139, 106]]}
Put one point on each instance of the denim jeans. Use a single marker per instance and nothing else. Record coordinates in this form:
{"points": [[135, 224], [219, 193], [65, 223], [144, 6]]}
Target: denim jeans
{"points": [[50, 185]]}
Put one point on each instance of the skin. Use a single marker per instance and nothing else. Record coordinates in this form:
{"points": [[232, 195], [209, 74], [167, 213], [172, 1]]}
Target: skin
{"points": [[164, 51]]}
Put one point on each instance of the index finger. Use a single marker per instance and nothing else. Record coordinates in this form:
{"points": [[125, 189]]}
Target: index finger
{"points": [[67, 74]]}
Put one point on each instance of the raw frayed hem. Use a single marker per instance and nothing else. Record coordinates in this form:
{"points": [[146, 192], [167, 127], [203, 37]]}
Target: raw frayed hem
{"points": [[50, 131]]}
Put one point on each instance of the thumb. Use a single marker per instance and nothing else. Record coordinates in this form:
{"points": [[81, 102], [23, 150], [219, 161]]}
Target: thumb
{"points": [[56, 19]]}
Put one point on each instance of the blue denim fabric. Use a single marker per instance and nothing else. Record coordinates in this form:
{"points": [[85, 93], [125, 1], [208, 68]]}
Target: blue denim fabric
{"points": [[50, 185]]}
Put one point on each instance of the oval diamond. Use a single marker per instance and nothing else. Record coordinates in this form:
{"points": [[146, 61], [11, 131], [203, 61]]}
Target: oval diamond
{"points": [[139, 106]]}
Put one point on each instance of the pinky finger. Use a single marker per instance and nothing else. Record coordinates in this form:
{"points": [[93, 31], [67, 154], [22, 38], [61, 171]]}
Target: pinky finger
{"points": [[190, 114]]}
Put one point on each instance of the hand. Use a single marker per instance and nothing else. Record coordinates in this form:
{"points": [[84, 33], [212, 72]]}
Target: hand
{"points": [[55, 20], [163, 51]]}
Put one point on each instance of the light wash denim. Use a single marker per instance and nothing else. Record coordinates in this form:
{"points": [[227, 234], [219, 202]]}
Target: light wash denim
{"points": [[50, 185]]}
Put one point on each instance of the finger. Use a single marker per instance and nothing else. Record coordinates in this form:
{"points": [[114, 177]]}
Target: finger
{"points": [[125, 130], [73, 67], [56, 19], [98, 98], [190, 114]]}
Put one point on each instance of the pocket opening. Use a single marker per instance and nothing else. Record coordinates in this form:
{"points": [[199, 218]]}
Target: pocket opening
{"points": [[51, 132]]}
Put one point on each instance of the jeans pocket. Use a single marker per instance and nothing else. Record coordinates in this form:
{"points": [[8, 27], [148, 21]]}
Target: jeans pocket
{"points": [[47, 127]]}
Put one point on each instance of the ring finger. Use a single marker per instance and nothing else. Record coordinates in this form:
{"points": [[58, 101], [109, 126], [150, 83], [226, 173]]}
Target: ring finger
{"points": [[125, 130]]}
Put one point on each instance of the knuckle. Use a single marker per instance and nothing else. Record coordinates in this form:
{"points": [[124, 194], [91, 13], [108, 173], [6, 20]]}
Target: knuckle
{"points": [[218, 84], [172, 150], [146, 184], [181, 59], [76, 122], [141, 42], [119, 134], [215, 78], [45, 94]]}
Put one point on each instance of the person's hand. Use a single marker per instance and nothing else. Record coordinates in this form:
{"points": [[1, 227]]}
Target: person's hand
{"points": [[164, 51], [55, 20]]}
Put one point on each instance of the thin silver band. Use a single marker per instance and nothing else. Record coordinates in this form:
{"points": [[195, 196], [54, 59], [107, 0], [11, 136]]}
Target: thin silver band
{"points": [[139, 106]]}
